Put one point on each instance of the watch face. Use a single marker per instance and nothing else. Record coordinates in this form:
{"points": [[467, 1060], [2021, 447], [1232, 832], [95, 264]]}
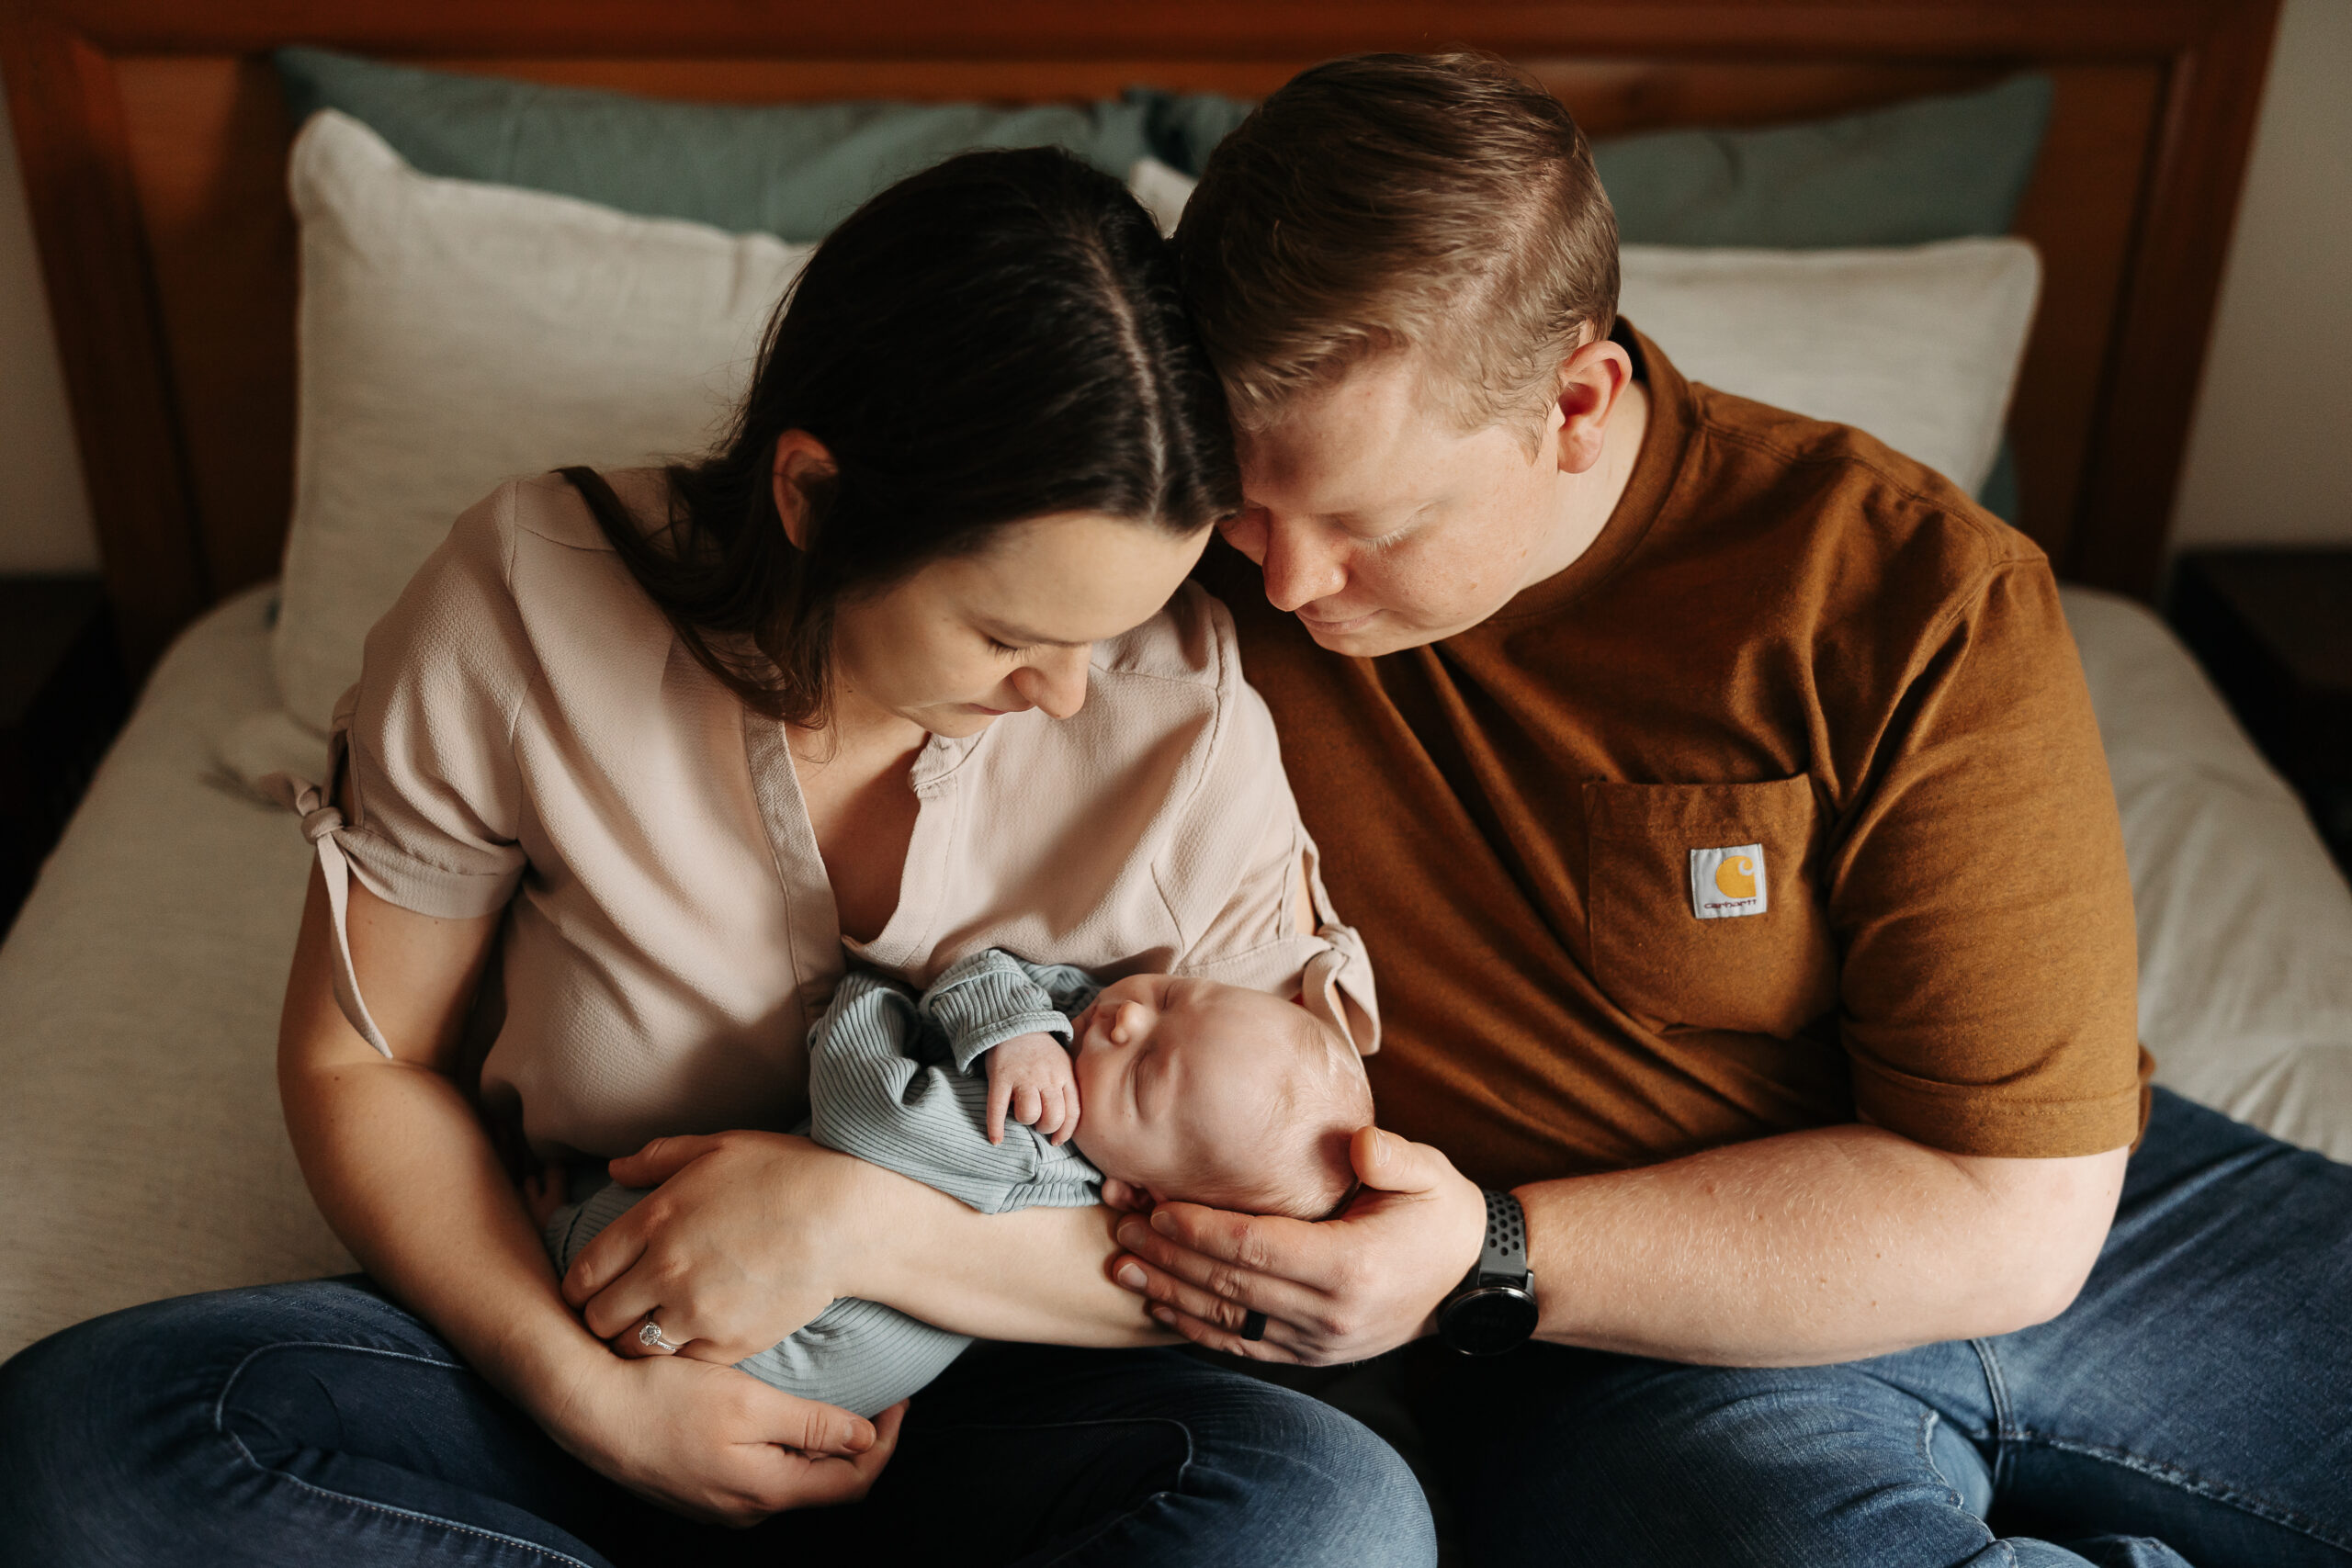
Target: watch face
{"points": [[1489, 1322]]}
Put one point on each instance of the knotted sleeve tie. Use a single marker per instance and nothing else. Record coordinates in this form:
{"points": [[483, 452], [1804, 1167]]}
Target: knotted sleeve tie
{"points": [[322, 824]]}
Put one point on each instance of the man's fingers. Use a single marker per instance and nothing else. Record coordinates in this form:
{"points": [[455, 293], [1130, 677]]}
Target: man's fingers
{"points": [[1396, 1165], [1202, 1287], [1254, 1244], [662, 1159], [1210, 1337], [1165, 1289]]}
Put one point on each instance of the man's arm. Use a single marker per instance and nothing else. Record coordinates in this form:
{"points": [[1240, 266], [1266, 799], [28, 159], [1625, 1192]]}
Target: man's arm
{"points": [[1814, 1246], [1823, 1245]]}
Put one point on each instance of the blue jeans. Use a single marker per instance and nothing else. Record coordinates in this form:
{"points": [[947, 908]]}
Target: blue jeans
{"points": [[2194, 1405], [321, 1424]]}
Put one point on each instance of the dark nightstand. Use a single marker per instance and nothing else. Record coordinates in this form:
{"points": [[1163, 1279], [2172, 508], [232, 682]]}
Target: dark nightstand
{"points": [[63, 697], [2274, 628]]}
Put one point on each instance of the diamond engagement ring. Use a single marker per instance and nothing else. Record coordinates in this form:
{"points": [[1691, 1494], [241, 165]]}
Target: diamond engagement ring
{"points": [[653, 1338]]}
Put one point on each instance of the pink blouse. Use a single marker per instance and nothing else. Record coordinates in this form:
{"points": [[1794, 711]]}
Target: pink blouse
{"points": [[528, 734]]}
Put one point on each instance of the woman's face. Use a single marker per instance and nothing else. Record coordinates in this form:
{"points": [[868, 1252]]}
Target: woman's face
{"points": [[966, 640]]}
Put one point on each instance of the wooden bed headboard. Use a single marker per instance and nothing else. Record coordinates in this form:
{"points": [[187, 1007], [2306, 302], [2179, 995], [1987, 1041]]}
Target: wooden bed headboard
{"points": [[153, 145]]}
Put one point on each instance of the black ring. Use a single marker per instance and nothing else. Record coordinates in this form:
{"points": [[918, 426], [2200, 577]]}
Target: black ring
{"points": [[1253, 1327]]}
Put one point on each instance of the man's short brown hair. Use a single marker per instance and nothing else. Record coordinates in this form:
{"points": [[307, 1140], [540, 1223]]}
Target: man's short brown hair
{"points": [[1443, 203]]}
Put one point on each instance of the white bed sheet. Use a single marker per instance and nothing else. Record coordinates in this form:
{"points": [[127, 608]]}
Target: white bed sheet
{"points": [[141, 1150], [141, 1154]]}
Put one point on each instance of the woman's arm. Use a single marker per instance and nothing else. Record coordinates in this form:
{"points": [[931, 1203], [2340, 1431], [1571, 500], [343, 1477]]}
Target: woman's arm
{"points": [[750, 1234], [404, 1173]]}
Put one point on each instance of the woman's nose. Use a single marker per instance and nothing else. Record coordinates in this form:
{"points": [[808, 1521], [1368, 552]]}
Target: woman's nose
{"points": [[1056, 679]]}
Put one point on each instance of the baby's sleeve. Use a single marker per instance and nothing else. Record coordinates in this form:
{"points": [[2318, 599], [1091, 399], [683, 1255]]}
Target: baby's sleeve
{"points": [[988, 999], [870, 1094], [1236, 863]]}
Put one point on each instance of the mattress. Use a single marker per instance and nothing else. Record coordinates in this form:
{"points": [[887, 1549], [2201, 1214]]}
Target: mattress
{"points": [[141, 1150]]}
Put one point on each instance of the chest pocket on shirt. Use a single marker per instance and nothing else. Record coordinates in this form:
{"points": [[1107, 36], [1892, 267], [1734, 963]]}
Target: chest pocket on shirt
{"points": [[1768, 972]]}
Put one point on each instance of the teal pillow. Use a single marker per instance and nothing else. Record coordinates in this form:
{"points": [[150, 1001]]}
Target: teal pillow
{"points": [[1929, 169], [794, 170]]}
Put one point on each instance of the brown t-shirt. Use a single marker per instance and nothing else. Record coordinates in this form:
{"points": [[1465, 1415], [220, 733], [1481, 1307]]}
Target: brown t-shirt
{"points": [[1781, 807]]}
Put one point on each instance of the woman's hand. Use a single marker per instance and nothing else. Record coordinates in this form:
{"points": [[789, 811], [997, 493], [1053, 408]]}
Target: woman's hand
{"points": [[747, 1236], [716, 1444], [1341, 1289]]}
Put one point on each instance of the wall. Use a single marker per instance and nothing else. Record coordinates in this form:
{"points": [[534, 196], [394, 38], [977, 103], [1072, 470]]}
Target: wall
{"points": [[44, 516], [2270, 453], [2270, 456]]}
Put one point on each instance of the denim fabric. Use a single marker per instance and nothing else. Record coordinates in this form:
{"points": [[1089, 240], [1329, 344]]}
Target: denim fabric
{"points": [[2194, 1405], [320, 1424]]}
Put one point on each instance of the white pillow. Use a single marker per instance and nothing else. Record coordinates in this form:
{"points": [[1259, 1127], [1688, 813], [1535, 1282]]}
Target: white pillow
{"points": [[453, 334], [1163, 190], [1917, 344]]}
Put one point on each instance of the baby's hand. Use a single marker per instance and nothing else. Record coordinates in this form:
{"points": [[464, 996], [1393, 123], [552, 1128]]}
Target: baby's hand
{"points": [[1030, 1074]]}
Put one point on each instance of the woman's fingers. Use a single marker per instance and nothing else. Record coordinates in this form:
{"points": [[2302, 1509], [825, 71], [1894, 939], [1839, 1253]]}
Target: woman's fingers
{"points": [[605, 1262], [820, 1482], [662, 1159], [818, 1429]]}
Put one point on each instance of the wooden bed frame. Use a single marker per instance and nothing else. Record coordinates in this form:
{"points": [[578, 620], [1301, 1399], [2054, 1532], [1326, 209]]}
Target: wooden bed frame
{"points": [[153, 145]]}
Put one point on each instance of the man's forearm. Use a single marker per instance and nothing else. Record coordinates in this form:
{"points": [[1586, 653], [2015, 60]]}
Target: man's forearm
{"points": [[1823, 1246]]}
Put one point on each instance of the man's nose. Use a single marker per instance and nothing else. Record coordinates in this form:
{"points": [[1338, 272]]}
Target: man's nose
{"points": [[1300, 564], [1056, 679]]}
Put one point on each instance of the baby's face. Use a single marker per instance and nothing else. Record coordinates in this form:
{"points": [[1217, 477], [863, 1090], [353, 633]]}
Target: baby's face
{"points": [[1174, 1074]]}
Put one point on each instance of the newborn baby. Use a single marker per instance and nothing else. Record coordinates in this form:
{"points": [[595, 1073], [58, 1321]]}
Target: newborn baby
{"points": [[1185, 1088]]}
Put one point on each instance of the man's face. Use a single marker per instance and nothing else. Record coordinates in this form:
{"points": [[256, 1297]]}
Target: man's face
{"points": [[1382, 526]]}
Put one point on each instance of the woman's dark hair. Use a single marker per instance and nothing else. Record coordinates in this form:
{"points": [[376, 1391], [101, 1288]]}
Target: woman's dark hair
{"points": [[997, 338]]}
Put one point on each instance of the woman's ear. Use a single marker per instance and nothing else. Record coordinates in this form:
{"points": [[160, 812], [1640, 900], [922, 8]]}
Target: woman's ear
{"points": [[799, 457]]}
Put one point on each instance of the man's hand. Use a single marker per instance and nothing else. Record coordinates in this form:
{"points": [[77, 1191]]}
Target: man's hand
{"points": [[1341, 1290], [1031, 1076], [716, 1444]]}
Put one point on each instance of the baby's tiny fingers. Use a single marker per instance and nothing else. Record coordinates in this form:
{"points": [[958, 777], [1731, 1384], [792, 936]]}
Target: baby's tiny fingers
{"points": [[1026, 1105]]}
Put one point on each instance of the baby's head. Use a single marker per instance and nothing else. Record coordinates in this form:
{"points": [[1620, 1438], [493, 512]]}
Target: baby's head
{"points": [[1208, 1093]]}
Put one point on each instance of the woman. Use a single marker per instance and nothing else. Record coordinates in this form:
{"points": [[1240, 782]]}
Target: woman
{"points": [[630, 763]]}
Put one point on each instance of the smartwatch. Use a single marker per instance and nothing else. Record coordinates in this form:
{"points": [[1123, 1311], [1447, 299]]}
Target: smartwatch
{"points": [[1493, 1310]]}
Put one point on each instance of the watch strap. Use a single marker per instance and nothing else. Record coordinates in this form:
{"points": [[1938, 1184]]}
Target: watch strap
{"points": [[1502, 1256]]}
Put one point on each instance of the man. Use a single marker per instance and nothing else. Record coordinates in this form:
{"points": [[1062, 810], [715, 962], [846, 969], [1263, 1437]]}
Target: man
{"points": [[1718, 793]]}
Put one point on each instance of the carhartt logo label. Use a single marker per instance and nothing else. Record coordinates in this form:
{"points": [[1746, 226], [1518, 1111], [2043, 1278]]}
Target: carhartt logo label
{"points": [[1727, 882]]}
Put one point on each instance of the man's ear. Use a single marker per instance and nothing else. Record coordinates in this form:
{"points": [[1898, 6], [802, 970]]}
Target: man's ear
{"points": [[800, 458], [1591, 380]]}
